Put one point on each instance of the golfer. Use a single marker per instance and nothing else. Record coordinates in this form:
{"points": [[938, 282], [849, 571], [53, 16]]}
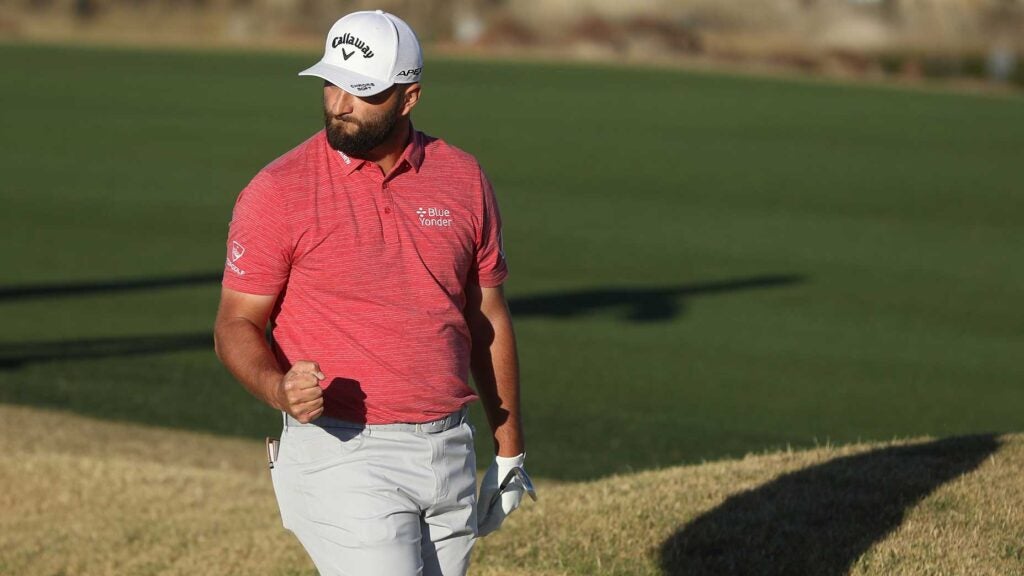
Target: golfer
{"points": [[374, 252]]}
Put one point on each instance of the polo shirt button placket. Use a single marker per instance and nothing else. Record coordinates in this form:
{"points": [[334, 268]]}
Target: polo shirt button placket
{"points": [[390, 226]]}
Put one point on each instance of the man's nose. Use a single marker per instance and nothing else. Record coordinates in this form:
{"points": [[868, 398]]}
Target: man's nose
{"points": [[339, 102]]}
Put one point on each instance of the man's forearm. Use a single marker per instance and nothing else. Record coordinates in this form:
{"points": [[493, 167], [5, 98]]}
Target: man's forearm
{"points": [[495, 367], [242, 348]]}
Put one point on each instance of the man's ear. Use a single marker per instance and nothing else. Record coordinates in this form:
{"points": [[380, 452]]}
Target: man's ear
{"points": [[411, 97]]}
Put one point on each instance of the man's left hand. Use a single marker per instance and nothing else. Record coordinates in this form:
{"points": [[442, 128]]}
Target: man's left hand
{"points": [[489, 518]]}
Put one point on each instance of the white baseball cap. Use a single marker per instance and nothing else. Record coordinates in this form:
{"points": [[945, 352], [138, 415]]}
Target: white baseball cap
{"points": [[368, 52]]}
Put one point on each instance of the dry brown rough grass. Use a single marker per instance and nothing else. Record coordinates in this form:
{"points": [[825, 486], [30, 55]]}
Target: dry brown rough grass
{"points": [[87, 497]]}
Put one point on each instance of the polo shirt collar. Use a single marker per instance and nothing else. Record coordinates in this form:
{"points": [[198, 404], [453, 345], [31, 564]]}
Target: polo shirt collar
{"points": [[348, 164], [412, 155], [414, 151]]}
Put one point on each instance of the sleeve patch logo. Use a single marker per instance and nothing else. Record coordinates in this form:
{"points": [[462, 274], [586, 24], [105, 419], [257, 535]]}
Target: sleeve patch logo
{"points": [[237, 251]]}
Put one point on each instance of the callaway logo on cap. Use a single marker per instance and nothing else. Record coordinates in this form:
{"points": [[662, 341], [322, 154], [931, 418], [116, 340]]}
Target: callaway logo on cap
{"points": [[368, 52]]}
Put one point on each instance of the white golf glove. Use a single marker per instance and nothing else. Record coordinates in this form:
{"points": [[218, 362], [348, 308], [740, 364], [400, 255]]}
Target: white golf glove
{"points": [[489, 518]]}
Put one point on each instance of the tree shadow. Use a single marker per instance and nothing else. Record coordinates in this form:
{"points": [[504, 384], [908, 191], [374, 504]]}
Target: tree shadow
{"points": [[19, 354], [819, 521], [105, 286], [640, 304]]}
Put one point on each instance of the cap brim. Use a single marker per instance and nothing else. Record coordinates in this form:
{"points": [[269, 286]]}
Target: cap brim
{"points": [[347, 80]]}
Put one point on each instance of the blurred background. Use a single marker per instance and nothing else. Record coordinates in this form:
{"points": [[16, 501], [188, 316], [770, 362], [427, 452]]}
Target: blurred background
{"points": [[906, 39]]}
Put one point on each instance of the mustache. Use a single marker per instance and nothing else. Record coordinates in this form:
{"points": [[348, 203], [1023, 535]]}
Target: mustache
{"points": [[346, 119], [337, 120]]}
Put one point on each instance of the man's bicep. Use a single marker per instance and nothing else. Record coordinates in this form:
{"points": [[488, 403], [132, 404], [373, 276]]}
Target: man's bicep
{"points": [[486, 301], [259, 244], [235, 305], [492, 300]]}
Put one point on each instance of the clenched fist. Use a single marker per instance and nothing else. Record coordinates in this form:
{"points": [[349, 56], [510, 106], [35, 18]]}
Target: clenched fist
{"points": [[299, 393]]}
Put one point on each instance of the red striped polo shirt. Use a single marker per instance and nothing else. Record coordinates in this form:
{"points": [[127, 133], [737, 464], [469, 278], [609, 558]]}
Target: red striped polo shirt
{"points": [[370, 271]]}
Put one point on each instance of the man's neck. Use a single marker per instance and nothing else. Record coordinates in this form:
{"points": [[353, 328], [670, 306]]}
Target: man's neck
{"points": [[389, 151]]}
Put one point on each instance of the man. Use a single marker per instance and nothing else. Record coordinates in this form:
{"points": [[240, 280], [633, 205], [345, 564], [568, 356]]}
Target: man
{"points": [[374, 251]]}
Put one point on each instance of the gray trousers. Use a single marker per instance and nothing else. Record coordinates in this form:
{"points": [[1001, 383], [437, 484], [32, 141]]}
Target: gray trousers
{"points": [[396, 500]]}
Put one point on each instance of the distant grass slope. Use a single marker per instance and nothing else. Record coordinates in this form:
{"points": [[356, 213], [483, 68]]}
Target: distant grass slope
{"points": [[702, 265], [87, 497]]}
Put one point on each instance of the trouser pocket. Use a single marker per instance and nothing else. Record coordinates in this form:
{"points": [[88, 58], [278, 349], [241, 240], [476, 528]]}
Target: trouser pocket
{"points": [[285, 483]]}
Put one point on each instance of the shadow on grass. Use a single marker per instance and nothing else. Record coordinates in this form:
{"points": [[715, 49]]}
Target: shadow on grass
{"points": [[640, 304], [18, 354], [820, 520], [175, 380], [105, 286]]}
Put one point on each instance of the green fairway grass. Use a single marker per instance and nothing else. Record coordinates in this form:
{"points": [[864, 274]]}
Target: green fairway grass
{"points": [[702, 265]]}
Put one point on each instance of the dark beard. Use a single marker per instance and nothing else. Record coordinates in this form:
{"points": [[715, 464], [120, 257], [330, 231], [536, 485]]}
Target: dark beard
{"points": [[369, 133]]}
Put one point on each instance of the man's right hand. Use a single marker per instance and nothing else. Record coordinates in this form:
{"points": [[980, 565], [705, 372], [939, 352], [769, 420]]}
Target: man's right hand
{"points": [[299, 393]]}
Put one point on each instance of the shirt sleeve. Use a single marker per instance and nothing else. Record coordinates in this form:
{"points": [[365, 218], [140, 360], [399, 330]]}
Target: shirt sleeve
{"points": [[489, 267], [258, 245]]}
